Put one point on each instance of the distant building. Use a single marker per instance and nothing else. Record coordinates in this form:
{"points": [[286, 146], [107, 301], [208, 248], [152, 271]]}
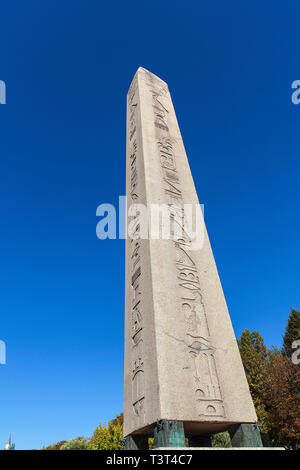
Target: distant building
{"points": [[9, 445]]}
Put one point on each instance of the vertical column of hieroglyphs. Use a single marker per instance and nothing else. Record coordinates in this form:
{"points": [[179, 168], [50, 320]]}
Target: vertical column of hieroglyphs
{"points": [[135, 256], [200, 351]]}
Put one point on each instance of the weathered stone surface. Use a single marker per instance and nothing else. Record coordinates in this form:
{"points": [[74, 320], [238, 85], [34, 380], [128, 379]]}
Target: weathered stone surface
{"points": [[181, 357]]}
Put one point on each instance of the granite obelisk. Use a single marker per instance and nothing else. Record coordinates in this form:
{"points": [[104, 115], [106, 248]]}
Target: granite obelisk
{"points": [[183, 371]]}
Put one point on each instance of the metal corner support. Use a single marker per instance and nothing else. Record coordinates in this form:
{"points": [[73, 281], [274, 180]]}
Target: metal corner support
{"points": [[136, 442], [245, 435], [169, 434]]}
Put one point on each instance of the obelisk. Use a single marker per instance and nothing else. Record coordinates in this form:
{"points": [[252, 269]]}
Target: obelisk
{"points": [[183, 371]]}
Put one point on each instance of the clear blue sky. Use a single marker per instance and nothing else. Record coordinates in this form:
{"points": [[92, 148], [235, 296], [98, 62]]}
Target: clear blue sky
{"points": [[67, 66]]}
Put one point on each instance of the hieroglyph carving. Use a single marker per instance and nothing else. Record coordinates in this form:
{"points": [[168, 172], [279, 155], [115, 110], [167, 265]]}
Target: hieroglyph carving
{"points": [[138, 389], [200, 352]]}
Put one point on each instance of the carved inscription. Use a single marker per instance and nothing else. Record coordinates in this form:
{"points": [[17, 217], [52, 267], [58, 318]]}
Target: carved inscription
{"points": [[200, 352], [138, 388]]}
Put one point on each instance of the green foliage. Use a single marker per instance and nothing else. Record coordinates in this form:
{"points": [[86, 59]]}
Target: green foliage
{"points": [[54, 446], [80, 443], [151, 443], [222, 439], [292, 332], [108, 437], [274, 383], [255, 355]]}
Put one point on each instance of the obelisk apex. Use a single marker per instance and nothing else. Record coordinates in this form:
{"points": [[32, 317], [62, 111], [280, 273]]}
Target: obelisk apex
{"points": [[182, 363]]}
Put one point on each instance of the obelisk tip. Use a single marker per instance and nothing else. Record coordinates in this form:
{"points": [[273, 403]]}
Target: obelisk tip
{"points": [[151, 74]]}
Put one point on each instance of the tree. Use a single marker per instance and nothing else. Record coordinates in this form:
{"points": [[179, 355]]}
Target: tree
{"points": [[281, 395], [292, 332], [108, 437], [221, 439], [79, 443], [274, 383], [254, 354], [54, 446]]}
